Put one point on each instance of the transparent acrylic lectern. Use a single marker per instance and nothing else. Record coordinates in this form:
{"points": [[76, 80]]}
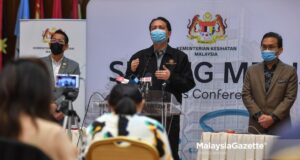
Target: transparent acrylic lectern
{"points": [[155, 105], [159, 103]]}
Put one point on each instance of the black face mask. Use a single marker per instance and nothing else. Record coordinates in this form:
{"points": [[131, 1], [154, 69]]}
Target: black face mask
{"points": [[56, 48]]}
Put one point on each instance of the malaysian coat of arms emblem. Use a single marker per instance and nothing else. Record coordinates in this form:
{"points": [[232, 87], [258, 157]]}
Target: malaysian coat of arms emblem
{"points": [[207, 30]]}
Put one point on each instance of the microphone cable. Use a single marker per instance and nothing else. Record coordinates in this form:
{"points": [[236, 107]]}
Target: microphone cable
{"points": [[86, 110]]}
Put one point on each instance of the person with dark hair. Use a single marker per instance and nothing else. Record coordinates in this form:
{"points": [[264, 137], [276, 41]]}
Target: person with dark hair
{"points": [[126, 103], [57, 63], [169, 68], [270, 89], [166, 64], [25, 96]]}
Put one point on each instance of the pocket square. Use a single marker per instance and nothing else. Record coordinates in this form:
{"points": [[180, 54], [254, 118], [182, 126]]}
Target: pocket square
{"points": [[282, 81]]}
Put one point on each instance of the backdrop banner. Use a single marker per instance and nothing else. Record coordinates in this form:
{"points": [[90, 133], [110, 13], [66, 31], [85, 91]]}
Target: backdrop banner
{"points": [[35, 36], [221, 39]]}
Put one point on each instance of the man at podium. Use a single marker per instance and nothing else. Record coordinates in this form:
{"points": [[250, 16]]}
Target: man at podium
{"points": [[169, 69], [162, 62]]}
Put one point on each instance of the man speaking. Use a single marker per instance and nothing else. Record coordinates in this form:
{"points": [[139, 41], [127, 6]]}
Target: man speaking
{"points": [[167, 66]]}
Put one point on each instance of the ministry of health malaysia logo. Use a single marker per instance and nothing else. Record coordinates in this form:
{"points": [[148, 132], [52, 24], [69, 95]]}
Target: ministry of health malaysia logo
{"points": [[207, 30]]}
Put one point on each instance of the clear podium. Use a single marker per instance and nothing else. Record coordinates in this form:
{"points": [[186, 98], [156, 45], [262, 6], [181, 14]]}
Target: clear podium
{"points": [[157, 103]]}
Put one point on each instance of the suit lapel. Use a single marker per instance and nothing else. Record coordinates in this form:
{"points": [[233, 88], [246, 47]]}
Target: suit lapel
{"points": [[276, 75], [261, 76], [63, 66]]}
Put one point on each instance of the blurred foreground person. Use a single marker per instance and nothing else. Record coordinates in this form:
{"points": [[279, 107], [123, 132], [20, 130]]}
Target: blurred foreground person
{"points": [[25, 95], [126, 102]]}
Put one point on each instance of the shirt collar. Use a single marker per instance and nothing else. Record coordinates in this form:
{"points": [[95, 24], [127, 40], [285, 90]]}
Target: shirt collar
{"points": [[162, 51], [57, 62], [274, 65]]}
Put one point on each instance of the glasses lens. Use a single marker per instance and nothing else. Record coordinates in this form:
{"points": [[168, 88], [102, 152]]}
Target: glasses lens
{"points": [[270, 47], [57, 41]]}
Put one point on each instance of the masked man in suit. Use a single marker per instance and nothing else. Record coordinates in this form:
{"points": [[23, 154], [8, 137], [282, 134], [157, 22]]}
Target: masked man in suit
{"points": [[168, 67], [57, 63], [270, 89]]}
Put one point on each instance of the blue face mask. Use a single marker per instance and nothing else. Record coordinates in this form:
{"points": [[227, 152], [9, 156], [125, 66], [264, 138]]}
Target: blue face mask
{"points": [[268, 55], [158, 36]]}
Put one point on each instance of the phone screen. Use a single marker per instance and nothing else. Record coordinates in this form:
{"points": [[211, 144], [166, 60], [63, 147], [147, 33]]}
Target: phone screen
{"points": [[67, 81]]}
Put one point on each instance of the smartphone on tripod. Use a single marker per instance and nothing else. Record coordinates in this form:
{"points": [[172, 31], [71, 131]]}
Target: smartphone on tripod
{"points": [[67, 81]]}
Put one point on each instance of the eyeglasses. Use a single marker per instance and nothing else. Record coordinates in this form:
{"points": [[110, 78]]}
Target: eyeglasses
{"points": [[268, 47], [57, 41]]}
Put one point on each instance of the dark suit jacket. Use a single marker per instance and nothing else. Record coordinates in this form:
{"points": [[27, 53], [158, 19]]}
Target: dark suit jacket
{"points": [[68, 66], [278, 100], [181, 79]]}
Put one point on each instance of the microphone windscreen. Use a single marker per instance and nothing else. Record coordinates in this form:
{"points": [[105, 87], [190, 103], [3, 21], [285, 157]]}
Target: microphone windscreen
{"points": [[134, 80], [119, 79]]}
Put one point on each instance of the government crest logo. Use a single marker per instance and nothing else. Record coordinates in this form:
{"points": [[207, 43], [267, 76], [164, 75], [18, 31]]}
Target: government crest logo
{"points": [[47, 33], [207, 30]]}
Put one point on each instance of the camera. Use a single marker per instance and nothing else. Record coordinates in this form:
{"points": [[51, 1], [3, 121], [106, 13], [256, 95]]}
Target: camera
{"points": [[67, 81]]}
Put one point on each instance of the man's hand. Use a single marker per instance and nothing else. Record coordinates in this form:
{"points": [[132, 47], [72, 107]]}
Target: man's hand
{"points": [[134, 64], [57, 115], [265, 120], [163, 74]]}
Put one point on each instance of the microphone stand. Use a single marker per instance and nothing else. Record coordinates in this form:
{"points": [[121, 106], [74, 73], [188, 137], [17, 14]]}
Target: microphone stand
{"points": [[164, 111], [145, 91]]}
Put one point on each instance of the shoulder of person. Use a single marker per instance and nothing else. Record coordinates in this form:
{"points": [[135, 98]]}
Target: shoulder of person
{"points": [[176, 51], [104, 117], [64, 147], [287, 66], [45, 58], [71, 62], [49, 126], [255, 66], [56, 139], [101, 120], [142, 52], [151, 121]]}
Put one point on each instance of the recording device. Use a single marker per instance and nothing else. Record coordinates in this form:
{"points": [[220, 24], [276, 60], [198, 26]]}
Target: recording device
{"points": [[132, 80], [67, 81], [69, 94]]}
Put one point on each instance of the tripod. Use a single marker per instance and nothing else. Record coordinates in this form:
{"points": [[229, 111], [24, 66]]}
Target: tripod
{"points": [[71, 120]]}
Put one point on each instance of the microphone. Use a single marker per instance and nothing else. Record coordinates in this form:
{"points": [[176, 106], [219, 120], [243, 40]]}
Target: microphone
{"points": [[147, 78], [146, 81], [134, 79], [120, 79]]}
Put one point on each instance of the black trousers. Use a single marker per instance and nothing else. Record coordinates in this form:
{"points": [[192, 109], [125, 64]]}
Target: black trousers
{"points": [[173, 127]]}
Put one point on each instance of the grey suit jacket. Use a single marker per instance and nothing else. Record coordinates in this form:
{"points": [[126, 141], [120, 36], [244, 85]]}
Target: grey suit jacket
{"points": [[68, 66], [278, 100]]}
